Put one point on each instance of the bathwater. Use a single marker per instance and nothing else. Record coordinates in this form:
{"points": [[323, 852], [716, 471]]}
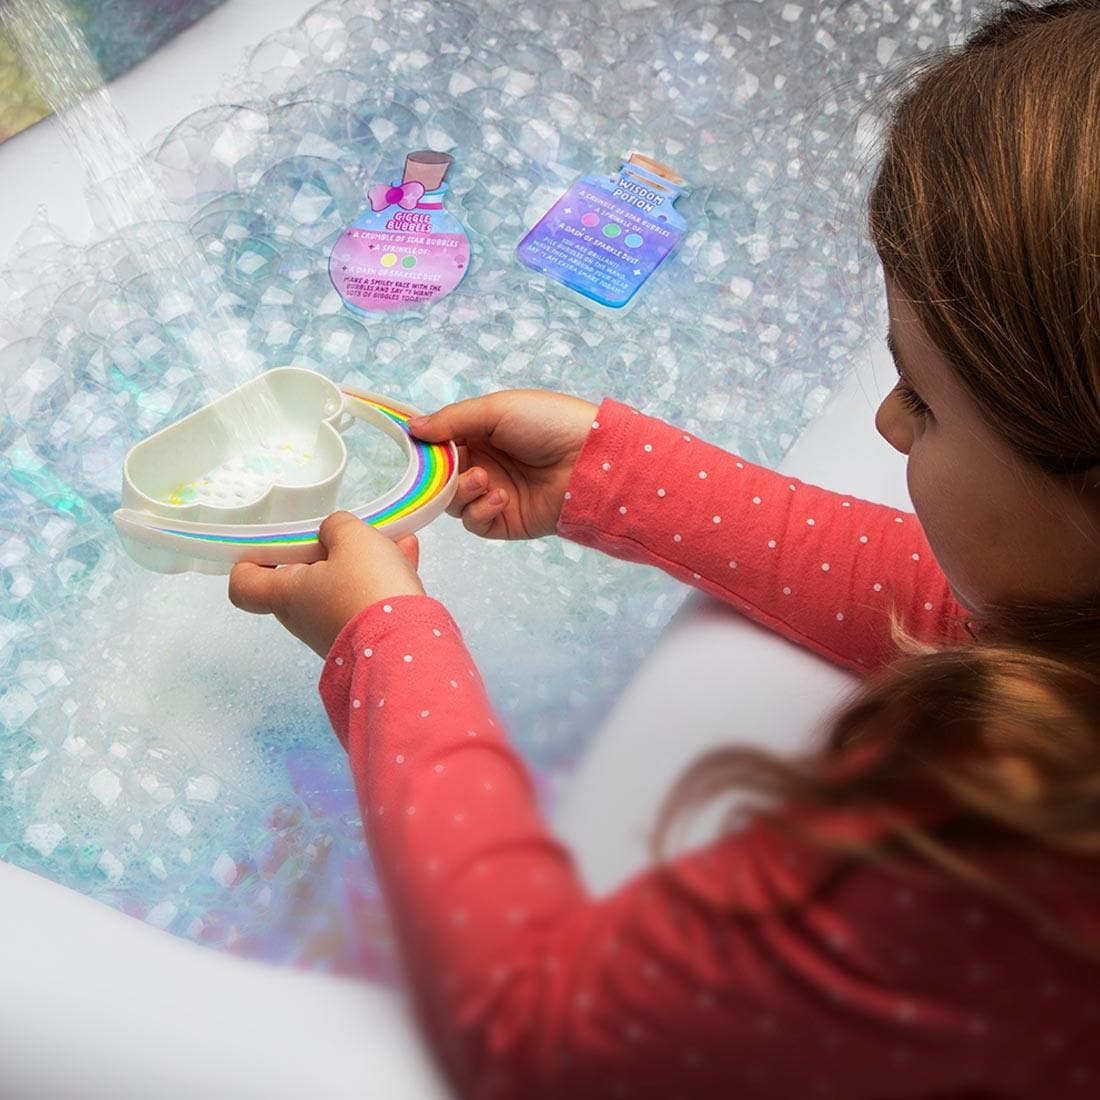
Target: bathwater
{"points": [[167, 754]]}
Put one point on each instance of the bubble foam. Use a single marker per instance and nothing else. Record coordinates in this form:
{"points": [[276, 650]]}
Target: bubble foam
{"points": [[167, 754]]}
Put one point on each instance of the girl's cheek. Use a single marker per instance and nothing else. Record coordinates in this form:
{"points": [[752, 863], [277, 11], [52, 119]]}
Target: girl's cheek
{"points": [[944, 523], [922, 494]]}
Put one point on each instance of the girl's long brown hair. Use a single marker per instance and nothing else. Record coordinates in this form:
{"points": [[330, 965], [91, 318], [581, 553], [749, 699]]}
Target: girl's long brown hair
{"points": [[985, 212]]}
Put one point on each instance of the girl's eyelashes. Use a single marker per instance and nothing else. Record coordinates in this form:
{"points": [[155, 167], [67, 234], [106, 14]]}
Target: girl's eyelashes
{"points": [[911, 400]]}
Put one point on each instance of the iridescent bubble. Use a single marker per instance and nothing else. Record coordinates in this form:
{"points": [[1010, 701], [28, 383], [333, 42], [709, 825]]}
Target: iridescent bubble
{"points": [[280, 61], [276, 323], [451, 128], [343, 88], [396, 128], [237, 243], [338, 342], [199, 156], [314, 128], [18, 391], [315, 295], [309, 196], [327, 30]]}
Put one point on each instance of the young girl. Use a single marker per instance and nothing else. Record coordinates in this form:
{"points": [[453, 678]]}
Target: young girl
{"points": [[912, 909]]}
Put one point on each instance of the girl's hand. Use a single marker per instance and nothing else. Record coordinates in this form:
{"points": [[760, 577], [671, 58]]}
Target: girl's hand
{"points": [[516, 450], [315, 602]]}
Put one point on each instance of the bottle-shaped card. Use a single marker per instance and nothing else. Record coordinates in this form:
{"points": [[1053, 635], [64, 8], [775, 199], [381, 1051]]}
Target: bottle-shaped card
{"points": [[606, 235], [406, 250]]}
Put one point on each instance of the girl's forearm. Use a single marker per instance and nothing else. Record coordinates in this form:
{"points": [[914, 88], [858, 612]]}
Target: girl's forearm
{"points": [[818, 567], [476, 884]]}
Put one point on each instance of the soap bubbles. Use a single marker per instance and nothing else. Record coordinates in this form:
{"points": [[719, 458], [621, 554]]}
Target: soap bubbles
{"points": [[200, 155], [168, 755]]}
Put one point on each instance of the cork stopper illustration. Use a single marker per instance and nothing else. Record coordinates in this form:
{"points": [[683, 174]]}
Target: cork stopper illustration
{"points": [[427, 168], [656, 168]]}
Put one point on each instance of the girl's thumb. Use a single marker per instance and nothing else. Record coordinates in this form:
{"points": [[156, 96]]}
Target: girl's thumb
{"points": [[430, 428], [473, 418]]}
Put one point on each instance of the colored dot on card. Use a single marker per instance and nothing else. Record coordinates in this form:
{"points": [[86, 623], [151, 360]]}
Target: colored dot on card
{"points": [[633, 240], [388, 259], [612, 230], [590, 219], [409, 261]]}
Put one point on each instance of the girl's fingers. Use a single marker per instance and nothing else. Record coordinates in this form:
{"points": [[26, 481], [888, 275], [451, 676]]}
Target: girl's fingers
{"points": [[340, 532], [258, 588], [471, 485], [478, 518], [409, 545]]}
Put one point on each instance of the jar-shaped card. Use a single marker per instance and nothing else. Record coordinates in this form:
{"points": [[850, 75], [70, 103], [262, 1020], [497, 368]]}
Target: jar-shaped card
{"points": [[607, 234]]}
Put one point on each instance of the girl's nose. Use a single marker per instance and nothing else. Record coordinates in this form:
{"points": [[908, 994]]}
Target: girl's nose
{"points": [[894, 423]]}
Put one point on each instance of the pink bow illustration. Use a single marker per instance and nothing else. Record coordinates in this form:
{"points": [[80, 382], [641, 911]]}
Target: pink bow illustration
{"points": [[407, 195]]}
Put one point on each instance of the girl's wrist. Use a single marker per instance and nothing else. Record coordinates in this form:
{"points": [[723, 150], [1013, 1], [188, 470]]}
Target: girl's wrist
{"points": [[397, 610]]}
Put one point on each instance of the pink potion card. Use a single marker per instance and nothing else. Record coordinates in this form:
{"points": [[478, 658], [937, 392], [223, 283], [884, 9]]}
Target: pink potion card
{"points": [[406, 250]]}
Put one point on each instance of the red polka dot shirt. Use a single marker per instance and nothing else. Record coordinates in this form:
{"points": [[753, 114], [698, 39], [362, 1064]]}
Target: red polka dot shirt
{"points": [[881, 985]]}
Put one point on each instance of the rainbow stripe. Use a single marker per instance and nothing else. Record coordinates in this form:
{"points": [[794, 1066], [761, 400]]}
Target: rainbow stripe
{"points": [[434, 464]]}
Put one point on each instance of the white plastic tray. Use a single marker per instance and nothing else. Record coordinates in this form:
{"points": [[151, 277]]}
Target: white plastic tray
{"points": [[251, 476]]}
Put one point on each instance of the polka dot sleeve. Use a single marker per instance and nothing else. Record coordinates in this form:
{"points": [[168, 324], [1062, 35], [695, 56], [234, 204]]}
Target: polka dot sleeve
{"points": [[451, 818], [818, 567], [529, 989]]}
